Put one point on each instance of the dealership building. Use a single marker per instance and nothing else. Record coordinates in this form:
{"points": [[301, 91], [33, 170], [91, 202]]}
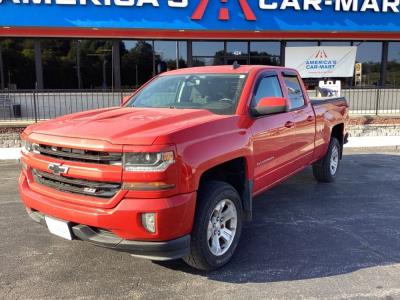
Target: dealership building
{"points": [[188, 33]]}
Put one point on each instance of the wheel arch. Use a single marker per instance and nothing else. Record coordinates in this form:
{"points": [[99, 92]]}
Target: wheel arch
{"points": [[236, 173]]}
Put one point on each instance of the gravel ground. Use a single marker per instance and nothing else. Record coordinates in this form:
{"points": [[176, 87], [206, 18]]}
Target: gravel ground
{"points": [[307, 241]]}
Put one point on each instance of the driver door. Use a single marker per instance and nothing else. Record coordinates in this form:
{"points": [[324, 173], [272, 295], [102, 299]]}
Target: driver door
{"points": [[272, 136]]}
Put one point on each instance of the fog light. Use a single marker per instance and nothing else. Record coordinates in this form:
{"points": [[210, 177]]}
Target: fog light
{"points": [[149, 222]]}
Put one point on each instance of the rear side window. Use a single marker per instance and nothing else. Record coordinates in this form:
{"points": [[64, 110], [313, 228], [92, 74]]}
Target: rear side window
{"points": [[296, 97], [268, 87]]}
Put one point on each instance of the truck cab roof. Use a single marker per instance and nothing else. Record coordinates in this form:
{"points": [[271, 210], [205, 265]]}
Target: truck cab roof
{"points": [[223, 69]]}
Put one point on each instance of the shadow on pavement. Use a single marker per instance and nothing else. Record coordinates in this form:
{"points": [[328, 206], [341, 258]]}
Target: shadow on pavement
{"points": [[303, 229]]}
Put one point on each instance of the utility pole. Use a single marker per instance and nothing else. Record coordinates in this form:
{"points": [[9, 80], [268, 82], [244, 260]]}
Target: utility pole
{"points": [[78, 63], [103, 56], [104, 85]]}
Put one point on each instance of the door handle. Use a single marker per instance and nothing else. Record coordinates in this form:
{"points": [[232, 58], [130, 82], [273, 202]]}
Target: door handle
{"points": [[310, 118], [289, 124]]}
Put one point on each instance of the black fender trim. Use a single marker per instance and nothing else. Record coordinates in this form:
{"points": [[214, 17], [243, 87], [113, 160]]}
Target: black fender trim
{"points": [[247, 199]]}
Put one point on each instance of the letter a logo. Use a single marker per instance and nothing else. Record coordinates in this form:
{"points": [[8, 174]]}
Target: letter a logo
{"points": [[223, 12]]}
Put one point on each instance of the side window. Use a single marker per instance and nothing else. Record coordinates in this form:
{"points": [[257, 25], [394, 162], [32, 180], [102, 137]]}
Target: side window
{"points": [[296, 97], [268, 87]]}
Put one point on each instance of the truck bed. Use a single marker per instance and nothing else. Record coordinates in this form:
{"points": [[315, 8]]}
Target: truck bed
{"points": [[324, 100]]}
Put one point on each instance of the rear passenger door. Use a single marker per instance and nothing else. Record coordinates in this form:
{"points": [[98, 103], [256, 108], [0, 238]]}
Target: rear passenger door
{"points": [[304, 119], [273, 136]]}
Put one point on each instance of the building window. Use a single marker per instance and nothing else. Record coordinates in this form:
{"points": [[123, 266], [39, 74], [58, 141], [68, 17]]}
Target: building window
{"points": [[136, 63], [236, 48], [237, 51], [59, 64], [393, 66], [183, 55], [369, 54], [208, 53], [18, 67], [207, 48], [265, 53], [169, 55]]}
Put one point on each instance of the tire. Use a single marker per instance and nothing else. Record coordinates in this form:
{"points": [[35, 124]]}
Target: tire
{"points": [[213, 195], [325, 170]]}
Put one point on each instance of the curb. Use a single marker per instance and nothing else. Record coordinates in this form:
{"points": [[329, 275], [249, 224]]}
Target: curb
{"points": [[373, 142], [10, 153]]}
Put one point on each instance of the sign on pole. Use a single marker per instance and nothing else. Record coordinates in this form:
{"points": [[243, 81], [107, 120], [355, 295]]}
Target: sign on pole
{"points": [[358, 73], [322, 62]]}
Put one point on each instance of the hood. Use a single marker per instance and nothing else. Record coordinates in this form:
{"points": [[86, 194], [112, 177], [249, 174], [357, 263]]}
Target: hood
{"points": [[129, 126]]}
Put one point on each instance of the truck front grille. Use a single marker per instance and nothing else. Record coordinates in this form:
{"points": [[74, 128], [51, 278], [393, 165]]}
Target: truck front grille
{"points": [[71, 154], [76, 186]]}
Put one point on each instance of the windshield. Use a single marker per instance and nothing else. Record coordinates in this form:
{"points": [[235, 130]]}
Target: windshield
{"points": [[218, 93]]}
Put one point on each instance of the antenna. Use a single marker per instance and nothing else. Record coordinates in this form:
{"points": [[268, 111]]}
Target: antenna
{"points": [[235, 65]]}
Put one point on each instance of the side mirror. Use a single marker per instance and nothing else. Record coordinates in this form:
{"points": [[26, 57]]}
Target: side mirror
{"points": [[269, 106]]}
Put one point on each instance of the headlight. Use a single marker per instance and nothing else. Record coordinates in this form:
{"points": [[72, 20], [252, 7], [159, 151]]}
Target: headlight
{"points": [[26, 146], [148, 161]]}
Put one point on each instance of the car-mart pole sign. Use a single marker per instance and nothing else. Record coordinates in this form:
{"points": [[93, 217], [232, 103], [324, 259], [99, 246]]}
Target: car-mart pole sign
{"points": [[224, 15]]}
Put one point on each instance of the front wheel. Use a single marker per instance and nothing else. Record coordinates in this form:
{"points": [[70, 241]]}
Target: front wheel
{"points": [[325, 170], [217, 228]]}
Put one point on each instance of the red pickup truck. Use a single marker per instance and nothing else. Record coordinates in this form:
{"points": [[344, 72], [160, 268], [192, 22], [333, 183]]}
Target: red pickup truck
{"points": [[172, 173]]}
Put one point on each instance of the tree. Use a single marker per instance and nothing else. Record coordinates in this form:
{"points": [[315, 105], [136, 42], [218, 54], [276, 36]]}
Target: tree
{"points": [[18, 60], [140, 57]]}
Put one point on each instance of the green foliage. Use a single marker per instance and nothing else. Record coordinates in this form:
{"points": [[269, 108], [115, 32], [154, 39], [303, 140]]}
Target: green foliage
{"points": [[141, 58], [18, 62], [59, 58]]}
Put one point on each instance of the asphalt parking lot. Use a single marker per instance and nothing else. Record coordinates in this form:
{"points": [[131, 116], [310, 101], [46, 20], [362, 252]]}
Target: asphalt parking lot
{"points": [[307, 240]]}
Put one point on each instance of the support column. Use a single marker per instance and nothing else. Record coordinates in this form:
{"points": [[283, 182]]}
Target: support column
{"points": [[38, 64], [189, 47], [283, 47], [117, 64], [2, 83], [384, 63]]}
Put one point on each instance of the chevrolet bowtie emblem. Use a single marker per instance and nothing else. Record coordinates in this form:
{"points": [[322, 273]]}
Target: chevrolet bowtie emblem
{"points": [[57, 169]]}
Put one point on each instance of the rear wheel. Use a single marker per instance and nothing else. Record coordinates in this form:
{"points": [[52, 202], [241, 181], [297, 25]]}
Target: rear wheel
{"points": [[217, 227], [325, 170]]}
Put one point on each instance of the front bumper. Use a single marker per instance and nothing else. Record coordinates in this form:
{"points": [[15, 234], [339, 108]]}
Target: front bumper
{"points": [[120, 227], [165, 250]]}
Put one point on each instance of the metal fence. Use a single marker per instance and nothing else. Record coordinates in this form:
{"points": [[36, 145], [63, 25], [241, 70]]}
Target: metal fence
{"points": [[378, 101], [371, 101], [36, 105]]}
